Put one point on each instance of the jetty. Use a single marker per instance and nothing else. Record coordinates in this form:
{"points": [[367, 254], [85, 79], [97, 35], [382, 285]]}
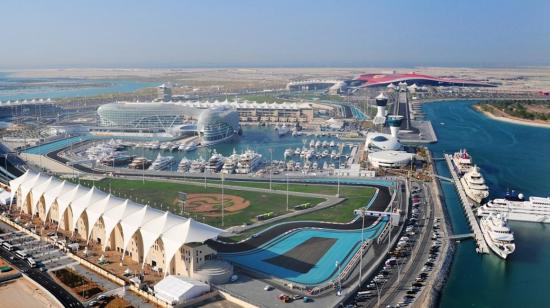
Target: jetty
{"points": [[467, 206]]}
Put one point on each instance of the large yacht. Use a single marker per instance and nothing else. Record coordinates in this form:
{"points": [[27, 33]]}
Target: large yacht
{"points": [[215, 163], [283, 130], [474, 185], [184, 165], [497, 234], [462, 161], [197, 166], [141, 163], [230, 163], [117, 158], [514, 207], [248, 162], [162, 162]]}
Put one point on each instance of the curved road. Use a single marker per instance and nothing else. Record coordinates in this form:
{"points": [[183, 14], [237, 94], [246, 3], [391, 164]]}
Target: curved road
{"points": [[381, 202], [42, 278]]}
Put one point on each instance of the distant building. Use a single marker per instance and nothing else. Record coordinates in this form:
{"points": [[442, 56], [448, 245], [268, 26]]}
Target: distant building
{"points": [[214, 124], [164, 92], [384, 80]]}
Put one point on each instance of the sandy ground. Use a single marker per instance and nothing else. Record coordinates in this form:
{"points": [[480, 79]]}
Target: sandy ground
{"points": [[524, 78], [206, 203], [22, 294], [510, 119]]}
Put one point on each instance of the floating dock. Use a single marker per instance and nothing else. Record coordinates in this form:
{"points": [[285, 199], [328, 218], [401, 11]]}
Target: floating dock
{"points": [[467, 206]]}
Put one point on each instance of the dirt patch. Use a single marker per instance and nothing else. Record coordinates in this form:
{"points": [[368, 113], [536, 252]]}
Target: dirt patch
{"points": [[77, 283], [210, 204]]}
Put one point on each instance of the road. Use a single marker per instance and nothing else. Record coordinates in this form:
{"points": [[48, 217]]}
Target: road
{"points": [[379, 204], [42, 278]]}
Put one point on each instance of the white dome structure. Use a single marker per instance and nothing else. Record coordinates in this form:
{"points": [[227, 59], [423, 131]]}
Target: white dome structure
{"points": [[381, 142]]}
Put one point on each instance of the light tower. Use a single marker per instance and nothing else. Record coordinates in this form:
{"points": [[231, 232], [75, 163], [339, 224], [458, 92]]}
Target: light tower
{"points": [[394, 122], [381, 103]]}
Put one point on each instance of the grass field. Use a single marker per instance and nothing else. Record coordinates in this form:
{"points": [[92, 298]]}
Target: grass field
{"points": [[356, 197], [330, 190], [164, 195]]}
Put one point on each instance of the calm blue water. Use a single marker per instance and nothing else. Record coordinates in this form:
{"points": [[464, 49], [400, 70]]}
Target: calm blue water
{"points": [[347, 243], [510, 156], [259, 139], [12, 88]]}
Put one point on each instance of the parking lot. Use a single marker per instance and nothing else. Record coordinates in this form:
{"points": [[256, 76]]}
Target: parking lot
{"points": [[407, 267], [46, 255]]}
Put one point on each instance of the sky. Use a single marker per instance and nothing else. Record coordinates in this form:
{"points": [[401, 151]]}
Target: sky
{"points": [[207, 33]]}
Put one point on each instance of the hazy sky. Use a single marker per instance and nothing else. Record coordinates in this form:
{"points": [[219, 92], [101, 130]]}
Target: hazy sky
{"points": [[36, 34]]}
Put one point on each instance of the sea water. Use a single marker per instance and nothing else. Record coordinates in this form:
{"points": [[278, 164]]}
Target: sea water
{"points": [[510, 156]]}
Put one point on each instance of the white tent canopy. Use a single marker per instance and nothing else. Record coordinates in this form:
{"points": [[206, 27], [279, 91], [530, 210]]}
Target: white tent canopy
{"points": [[176, 289], [189, 232], [153, 230], [130, 224], [152, 224], [79, 205], [38, 191]]}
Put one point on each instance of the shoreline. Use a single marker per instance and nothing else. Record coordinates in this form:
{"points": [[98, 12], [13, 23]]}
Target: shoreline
{"points": [[510, 119]]}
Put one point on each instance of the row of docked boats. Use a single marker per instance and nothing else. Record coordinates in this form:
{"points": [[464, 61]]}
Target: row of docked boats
{"points": [[247, 162], [495, 229], [495, 214], [312, 154], [470, 175], [168, 146]]}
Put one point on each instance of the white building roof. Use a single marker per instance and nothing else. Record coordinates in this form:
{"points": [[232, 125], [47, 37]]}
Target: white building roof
{"points": [[152, 224], [175, 289], [380, 141]]}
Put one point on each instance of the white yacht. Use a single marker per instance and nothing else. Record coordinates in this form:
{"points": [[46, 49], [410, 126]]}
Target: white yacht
{"points": [[324, 144], [249, 161], [288, 153], [514, 207], [298, 151], [197, 166], [474, 185], [497, 234], [318, 143], [290, 165], [162, 162], [312, 143], [324, 154], [332, 144], [462, 161], [184, 165], [181, 147], [215, 163], [333, 154], [283, 130], [192, 146], [230, 163]]}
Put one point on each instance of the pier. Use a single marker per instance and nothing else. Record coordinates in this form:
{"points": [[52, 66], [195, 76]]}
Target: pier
{"points": [[467, 206]]}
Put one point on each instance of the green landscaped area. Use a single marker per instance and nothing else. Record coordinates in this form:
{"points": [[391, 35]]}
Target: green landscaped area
{"points": [[164, 195], [295, 187], [356, 197]]}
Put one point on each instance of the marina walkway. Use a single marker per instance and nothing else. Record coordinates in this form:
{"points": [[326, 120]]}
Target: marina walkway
{"points": [[467, 206]]}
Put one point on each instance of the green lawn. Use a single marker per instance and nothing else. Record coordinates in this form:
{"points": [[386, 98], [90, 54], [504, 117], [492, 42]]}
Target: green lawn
{"points": [[296, 187], [357, 197], [164, 195]]}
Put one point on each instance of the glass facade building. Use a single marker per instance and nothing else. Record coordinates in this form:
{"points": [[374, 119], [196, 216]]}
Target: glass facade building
{"points": [[213, 125]]}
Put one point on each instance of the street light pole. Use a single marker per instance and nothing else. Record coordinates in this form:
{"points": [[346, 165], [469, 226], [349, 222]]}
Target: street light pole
{"points": [[270, 166], [362, 242], [287, 192], [222, 203]]}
